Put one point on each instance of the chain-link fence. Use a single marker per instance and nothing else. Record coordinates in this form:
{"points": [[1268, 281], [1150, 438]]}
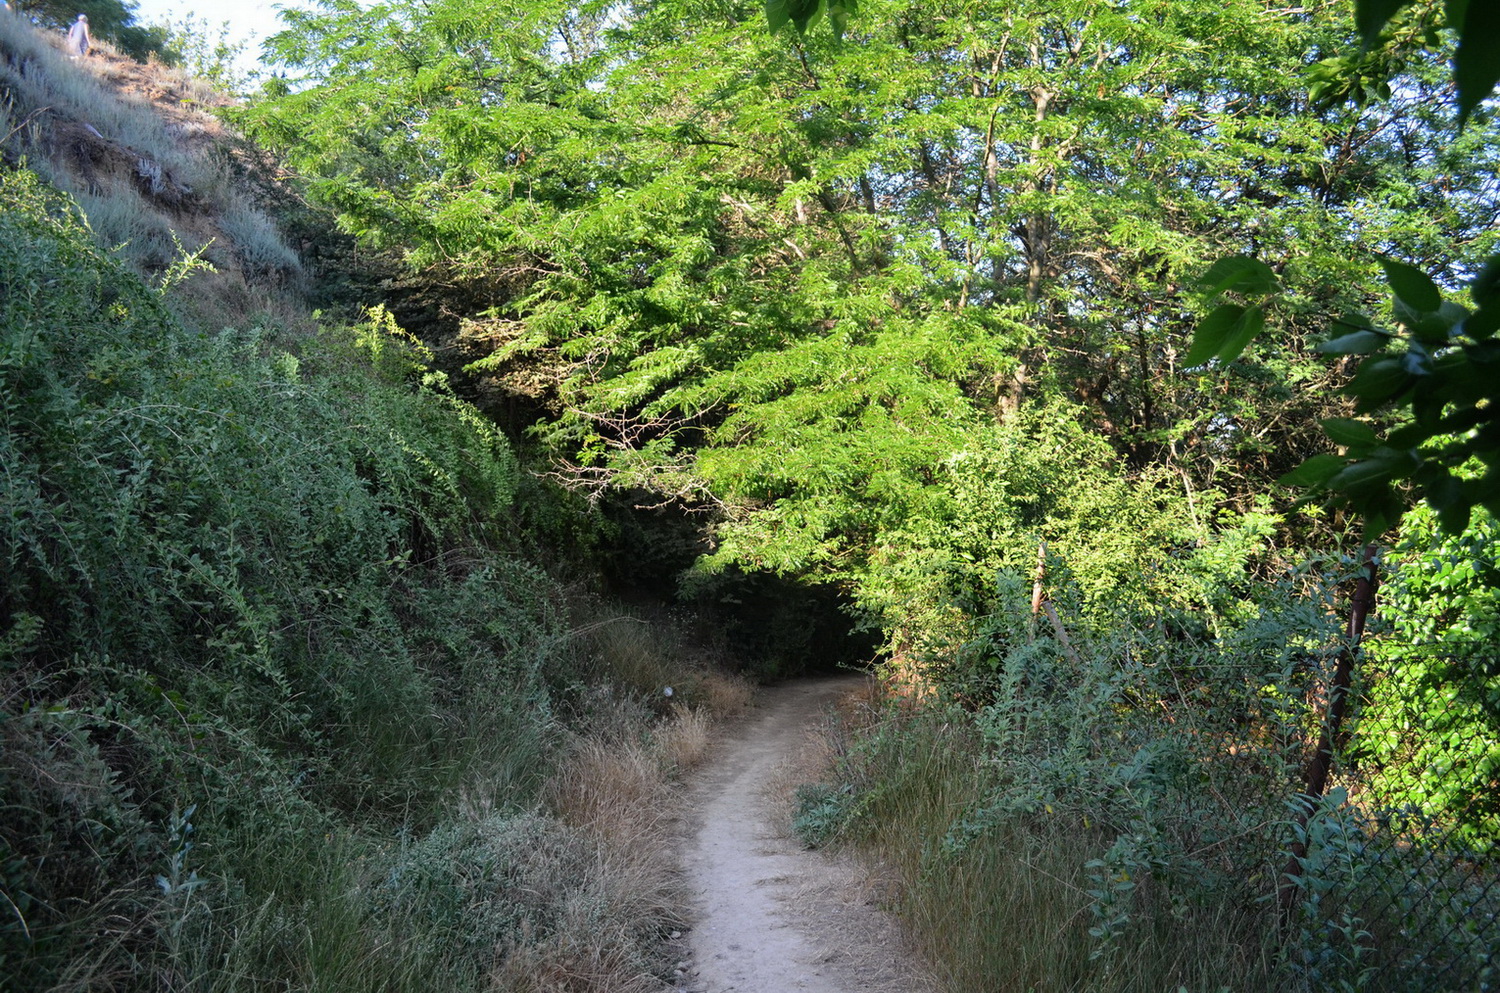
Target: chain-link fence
{"points": [[1395, 879]]}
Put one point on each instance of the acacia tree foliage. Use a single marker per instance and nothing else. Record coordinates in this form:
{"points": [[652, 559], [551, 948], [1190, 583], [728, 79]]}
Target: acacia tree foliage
{"points": [[784, 277], [1431, 383]]}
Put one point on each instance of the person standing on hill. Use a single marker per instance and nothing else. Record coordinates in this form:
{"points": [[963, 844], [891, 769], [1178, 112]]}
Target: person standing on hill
{"points": [[78, 42]]}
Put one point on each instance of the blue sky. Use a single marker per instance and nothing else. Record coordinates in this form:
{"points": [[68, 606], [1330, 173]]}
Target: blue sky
{"points": [[251, 20]]}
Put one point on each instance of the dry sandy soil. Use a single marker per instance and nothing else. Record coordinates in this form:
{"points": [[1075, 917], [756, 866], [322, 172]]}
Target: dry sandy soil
{"points": [[771, 916]]}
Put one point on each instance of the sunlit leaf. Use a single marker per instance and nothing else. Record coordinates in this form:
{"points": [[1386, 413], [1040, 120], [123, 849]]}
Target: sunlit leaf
{"points": [[1412, 286]]}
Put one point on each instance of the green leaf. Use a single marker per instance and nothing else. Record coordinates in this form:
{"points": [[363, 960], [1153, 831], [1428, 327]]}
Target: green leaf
{"points": [[1412, 286], [805, 13], [1370, 17], [1212, 333], [1224, 333], [839, 12], [1364, 473], [1417, 361], [1476, 64], [1440, 488], [1250, 324], [1239, 273], [1381, 510], [1357, 343], [1482, 325], [1433, 326], [1454, 11], [1427, 407], [1378, 379], [1454, 518], [778, 12], [1485, 288], [1313, 473], [1350, 433], [1409, 436]]}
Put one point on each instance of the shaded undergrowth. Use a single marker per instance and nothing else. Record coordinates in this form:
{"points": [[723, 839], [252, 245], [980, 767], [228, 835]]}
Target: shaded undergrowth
{"points": [[284, 703]]}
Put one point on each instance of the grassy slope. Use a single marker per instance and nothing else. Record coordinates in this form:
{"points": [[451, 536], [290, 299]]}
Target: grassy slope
{"points": [[282, 702], [156, 173]]}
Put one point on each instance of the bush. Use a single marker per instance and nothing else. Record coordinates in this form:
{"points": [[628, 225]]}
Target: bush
{"points": [[257, 598]]}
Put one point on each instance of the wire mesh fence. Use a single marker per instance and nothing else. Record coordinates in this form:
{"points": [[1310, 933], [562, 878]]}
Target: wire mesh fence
{"points": [[1397, 885]]}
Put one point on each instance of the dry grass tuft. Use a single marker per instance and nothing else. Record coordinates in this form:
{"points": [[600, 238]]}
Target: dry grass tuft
{"points": [[613, 790], [685, 739], [617, 794], [575, 961], [724, 694]]}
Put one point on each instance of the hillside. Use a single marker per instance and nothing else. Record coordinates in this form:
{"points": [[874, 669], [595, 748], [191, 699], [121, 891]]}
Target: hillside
{"points": [[156, 172], [287, 696]]}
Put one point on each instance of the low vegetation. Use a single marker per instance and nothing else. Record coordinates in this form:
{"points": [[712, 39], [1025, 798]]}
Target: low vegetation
{"points": [[285, 703], [1106, 793]]}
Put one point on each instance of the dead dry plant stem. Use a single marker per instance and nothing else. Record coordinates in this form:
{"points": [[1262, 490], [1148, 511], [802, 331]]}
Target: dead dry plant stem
{"points": [[1039, 578], [25, 122], [1061, 632]]}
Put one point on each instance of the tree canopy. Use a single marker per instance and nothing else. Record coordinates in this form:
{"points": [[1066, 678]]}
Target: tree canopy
{"points": [[783, 277]]}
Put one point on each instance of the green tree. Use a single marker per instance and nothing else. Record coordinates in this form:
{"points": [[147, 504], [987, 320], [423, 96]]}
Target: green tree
{"points": [[783, 277], [1428, 383]]}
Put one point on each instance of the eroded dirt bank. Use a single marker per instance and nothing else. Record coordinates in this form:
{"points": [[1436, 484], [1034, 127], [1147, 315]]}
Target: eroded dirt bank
{"points": [[771, 916]]}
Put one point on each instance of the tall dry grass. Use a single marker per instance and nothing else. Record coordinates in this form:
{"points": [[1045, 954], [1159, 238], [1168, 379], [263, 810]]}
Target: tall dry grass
{"points": [[153, 178], [620, 796], [1006, 908]]}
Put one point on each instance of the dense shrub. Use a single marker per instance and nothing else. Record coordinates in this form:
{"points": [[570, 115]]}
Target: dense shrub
{"points": [[1101, 793], [260, 618]]}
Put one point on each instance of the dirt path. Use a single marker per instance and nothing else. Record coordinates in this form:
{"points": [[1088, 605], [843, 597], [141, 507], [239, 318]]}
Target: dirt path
{"points": [[771, 916]]}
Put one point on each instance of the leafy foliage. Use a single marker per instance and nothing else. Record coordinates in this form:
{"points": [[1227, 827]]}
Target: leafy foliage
{"points": [[1437, 673], [892, 313], [1432, 376], [783, 284], [261, 614], [805, 14]]}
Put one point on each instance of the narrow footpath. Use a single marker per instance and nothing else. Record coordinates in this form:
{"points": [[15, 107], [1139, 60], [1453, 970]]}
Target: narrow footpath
{"points": [[770, 915]]}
